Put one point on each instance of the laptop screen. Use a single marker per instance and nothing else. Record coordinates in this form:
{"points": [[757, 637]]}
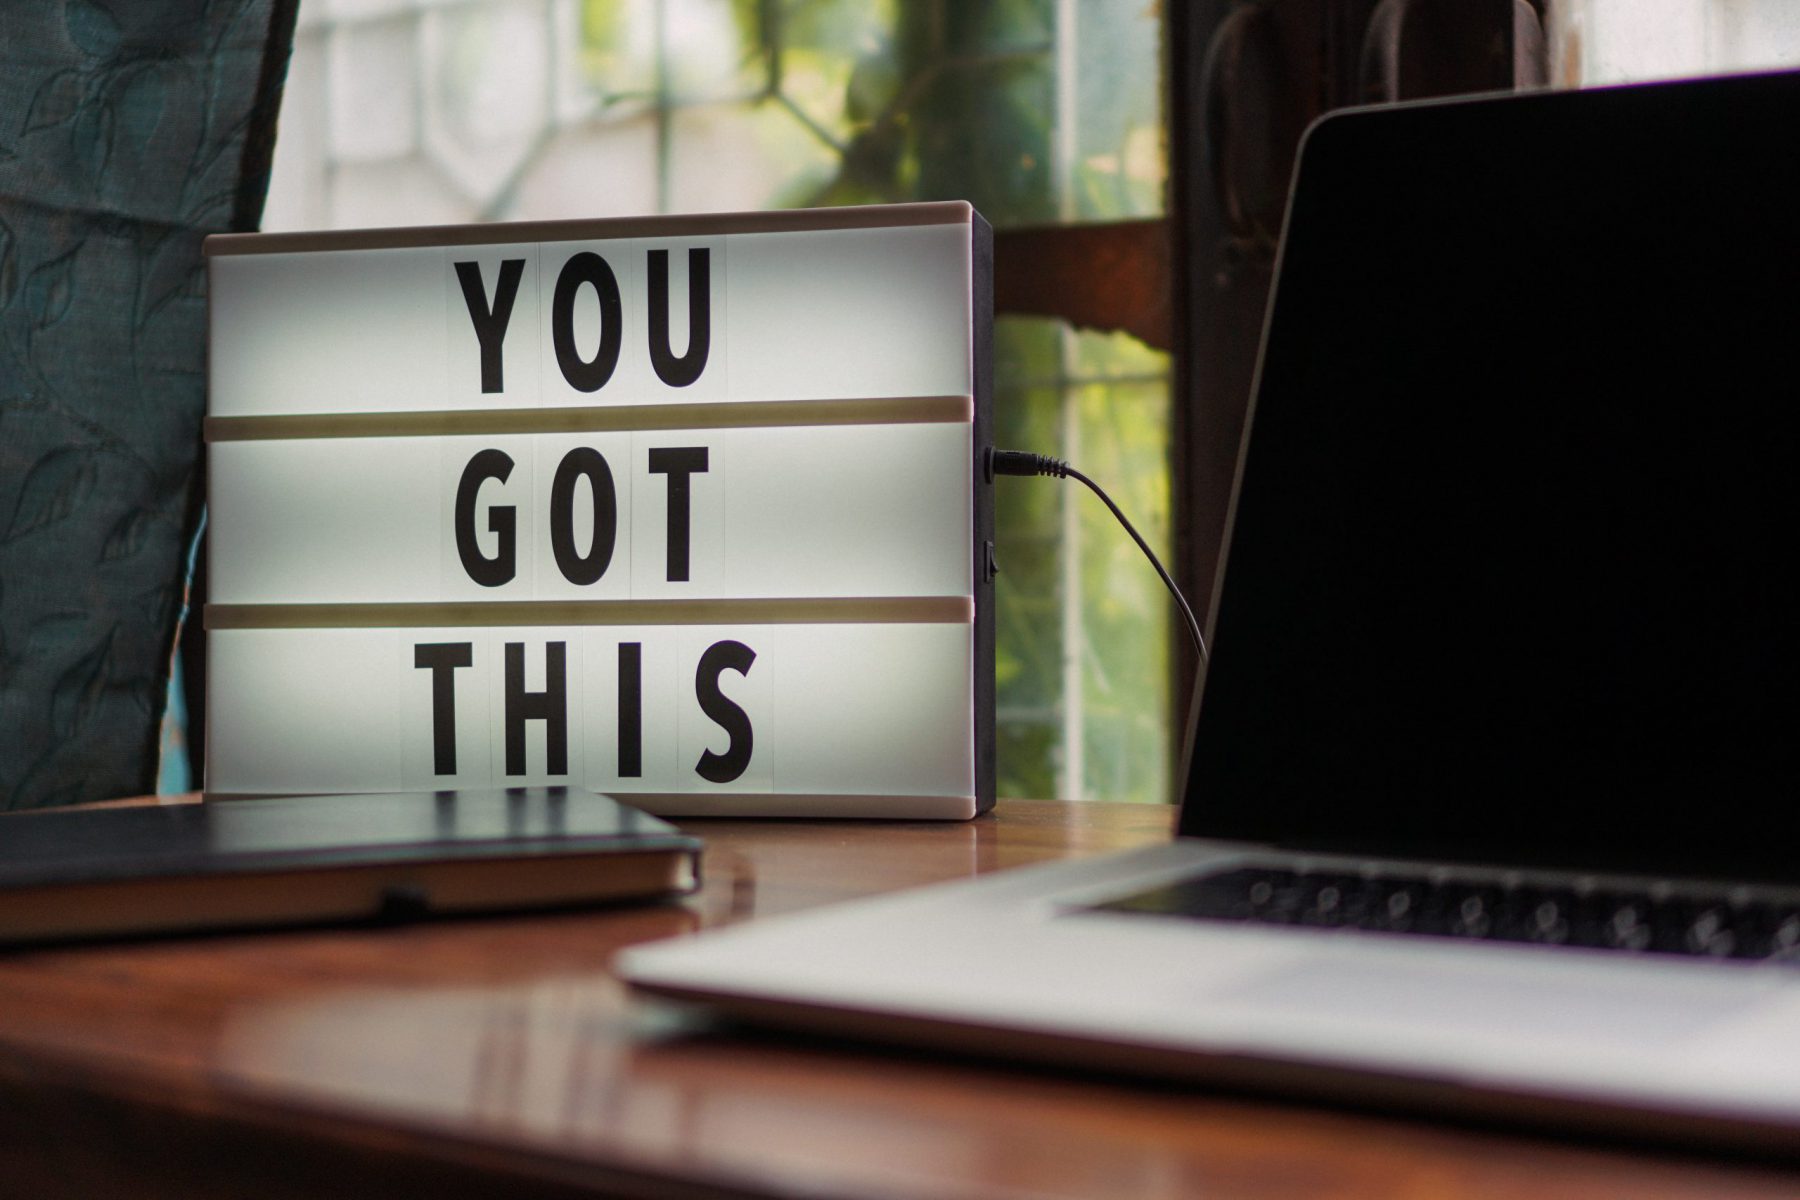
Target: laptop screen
{"points": [[1512, 571]]}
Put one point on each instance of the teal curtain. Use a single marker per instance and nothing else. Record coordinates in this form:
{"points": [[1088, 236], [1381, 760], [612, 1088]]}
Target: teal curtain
{"points": [[128, 132]]}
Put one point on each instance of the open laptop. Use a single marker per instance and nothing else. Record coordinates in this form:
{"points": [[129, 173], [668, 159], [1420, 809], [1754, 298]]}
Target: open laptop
{"points": [[1493, 785]]}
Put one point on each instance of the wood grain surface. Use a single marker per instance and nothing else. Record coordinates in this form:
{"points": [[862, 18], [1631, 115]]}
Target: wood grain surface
{"points": [[499, 1057]]}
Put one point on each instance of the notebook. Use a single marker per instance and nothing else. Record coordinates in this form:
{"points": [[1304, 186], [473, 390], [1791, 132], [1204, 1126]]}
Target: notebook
{"points": [[177, 868], [1492, 783]]}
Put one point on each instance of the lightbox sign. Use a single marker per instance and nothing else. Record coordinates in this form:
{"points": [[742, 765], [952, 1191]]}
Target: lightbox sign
{"points": [[687, 509]]}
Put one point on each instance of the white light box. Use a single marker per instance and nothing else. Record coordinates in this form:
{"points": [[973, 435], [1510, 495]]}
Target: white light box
{"points": [[688, 509]]}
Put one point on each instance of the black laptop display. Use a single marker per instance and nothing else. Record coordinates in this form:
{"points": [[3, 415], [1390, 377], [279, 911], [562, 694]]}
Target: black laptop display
{"points": [[1511, 574]]}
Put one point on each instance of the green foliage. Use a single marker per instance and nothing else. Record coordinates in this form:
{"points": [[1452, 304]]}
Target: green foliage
{"points": [[872, 102]]}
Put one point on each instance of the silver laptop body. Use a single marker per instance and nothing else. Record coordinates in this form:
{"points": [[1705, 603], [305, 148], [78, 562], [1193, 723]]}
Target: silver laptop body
{"points": [[1492, 787]]}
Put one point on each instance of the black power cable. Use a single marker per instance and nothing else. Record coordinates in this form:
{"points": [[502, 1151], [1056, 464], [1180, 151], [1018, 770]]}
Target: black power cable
{"points": [[1021, 462]]}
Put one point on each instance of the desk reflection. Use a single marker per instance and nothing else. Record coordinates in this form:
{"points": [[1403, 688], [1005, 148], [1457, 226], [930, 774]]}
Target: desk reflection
{"points": [[542, 1052]]}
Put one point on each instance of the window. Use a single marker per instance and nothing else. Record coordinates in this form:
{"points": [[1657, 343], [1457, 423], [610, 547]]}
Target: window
{"points": [[1619, 41], [1046, 114]]}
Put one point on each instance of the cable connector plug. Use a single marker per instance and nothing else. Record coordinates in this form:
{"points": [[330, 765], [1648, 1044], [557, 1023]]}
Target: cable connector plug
{"points": [[1023, 462]]}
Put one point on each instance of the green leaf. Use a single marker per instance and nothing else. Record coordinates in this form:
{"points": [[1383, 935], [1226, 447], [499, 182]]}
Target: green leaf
{"points": [[168, 268], [91, 27], [9, 263], [158, 605], [128, 535], [78, 693], [50, 288], [52, 633], [873, 83], [59, 483], [57, 99], [93, 135]]}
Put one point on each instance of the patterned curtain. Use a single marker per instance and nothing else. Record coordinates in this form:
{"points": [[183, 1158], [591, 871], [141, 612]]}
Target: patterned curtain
{"points": [[129, 131]]}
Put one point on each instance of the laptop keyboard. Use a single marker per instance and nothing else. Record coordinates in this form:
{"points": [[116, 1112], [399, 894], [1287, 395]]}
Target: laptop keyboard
{"points": [[1655, 921]]}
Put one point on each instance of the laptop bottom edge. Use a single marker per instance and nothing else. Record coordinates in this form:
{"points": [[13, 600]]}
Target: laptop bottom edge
{"points": [[1264, 1078]]}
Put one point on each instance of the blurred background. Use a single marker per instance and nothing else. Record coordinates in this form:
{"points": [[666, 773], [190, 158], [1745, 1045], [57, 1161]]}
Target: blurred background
{"points": [[439, 111], [1132, 155]]}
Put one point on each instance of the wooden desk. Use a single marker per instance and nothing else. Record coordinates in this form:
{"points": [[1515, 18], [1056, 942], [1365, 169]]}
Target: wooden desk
{"points": [[500, 1058]]}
